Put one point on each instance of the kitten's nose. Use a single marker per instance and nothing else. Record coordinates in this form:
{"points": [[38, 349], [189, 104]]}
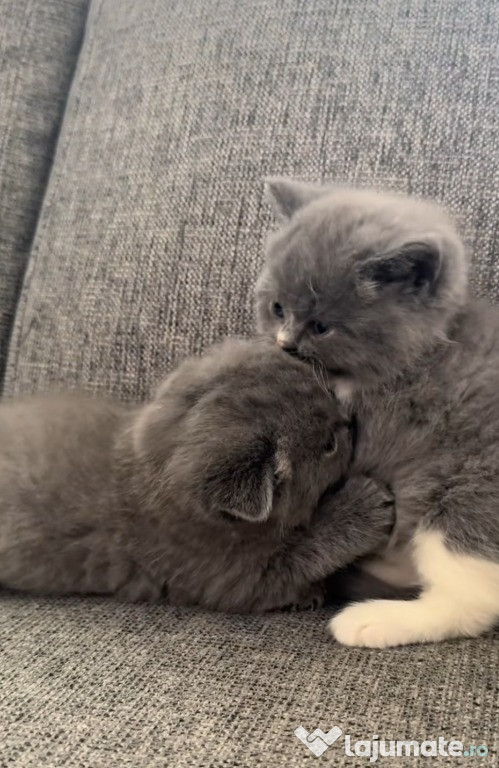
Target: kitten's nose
{"points": [[287, 343]]}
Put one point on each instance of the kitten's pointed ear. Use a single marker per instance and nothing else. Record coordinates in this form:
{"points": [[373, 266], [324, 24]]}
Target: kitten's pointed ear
{"points": [[413, 268], [286, 195], [243, 486]]}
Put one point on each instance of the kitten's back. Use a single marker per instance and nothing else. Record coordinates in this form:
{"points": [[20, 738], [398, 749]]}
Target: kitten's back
{"points": [[56, 457]]}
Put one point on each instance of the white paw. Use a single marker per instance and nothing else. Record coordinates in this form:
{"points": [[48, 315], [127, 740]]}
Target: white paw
{"points": [[371, 624]]}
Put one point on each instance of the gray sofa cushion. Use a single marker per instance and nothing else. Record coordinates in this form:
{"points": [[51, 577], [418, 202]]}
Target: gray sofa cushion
{"points": [[39, 43], [149, 242], [93, 684]]}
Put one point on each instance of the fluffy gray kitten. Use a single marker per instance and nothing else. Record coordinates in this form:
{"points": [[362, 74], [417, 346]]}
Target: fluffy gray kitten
{"points": [[373, 287], [206, 494]]}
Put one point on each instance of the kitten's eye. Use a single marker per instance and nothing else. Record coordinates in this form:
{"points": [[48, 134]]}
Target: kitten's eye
{"points": [[319, 328], [277, 309], [331, 446]]}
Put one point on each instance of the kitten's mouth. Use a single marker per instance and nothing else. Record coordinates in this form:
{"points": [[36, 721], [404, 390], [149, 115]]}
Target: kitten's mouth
{"points": [[339, 372], [311, 360], [294, 352]]}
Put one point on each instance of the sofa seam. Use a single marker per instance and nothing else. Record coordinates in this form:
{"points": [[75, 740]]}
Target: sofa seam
{"points": [[17, 331]]}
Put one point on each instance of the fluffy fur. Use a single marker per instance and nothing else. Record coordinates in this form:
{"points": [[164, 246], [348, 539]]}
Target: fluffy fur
{"points": [[206, 494], [373, 288]]}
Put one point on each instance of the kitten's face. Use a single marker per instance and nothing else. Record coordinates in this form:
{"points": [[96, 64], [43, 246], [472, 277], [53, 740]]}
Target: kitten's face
{"points": [[245, 433], [358, 281]]}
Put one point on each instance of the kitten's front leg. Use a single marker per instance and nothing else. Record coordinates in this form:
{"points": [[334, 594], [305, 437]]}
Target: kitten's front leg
{"points": [[349, 524], [460, 598]]}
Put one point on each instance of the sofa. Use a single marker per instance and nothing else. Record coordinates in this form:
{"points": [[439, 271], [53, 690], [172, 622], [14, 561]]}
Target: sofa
{"points": [[134, 139]]}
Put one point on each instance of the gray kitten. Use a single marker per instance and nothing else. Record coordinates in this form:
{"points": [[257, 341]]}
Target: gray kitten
{"points": [[206, 494], [373, 287]]}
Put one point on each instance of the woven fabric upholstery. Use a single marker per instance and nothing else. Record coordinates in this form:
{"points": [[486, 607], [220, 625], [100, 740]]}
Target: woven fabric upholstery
{"points": [[148, 245], [94, 684], [39, 43], [152, 230]]}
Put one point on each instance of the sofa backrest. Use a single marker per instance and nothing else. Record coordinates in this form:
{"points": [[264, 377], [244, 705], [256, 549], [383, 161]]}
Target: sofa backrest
{"points": [[152, 230]]}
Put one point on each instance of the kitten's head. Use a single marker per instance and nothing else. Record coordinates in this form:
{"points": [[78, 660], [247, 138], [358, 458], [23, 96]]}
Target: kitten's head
{"points": [[361, 282], [244, 433]]}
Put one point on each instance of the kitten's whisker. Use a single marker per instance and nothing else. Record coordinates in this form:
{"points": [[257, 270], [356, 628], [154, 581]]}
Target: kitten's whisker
{"points": [[442, 336], [313, 291], [320, 375]]}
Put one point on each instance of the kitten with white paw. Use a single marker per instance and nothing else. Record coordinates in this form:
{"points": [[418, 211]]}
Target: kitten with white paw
{"points": [[206, 495], [372, 290]]}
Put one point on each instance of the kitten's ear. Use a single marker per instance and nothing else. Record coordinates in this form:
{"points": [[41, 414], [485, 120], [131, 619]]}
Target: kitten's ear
{"points": [[414, 268], [286, 195], [243, 487]]}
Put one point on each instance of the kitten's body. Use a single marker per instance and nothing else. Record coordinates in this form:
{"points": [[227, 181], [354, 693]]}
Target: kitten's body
{"points": [[206, 494], [418, 363], [435, 434]]}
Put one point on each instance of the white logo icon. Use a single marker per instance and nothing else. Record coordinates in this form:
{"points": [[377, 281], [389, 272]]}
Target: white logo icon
{"points": [[318, 741]]}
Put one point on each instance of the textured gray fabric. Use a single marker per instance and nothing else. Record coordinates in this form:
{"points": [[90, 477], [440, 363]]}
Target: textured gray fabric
{"points": [[152, 230], [39, 42], [88, 684], [149, 241]]}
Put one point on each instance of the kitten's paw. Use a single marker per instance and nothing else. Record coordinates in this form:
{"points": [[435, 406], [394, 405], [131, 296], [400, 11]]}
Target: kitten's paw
{"points": [[311, 599], [374, 503], [370, 501], [372, 624], [379, 494]]}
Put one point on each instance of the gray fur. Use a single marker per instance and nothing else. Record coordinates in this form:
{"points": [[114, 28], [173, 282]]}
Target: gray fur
{"points": [[206, 494], [386, 276]]}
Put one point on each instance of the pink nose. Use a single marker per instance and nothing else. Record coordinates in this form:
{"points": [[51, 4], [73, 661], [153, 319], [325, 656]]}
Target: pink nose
{"points": [[286, 343]]}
